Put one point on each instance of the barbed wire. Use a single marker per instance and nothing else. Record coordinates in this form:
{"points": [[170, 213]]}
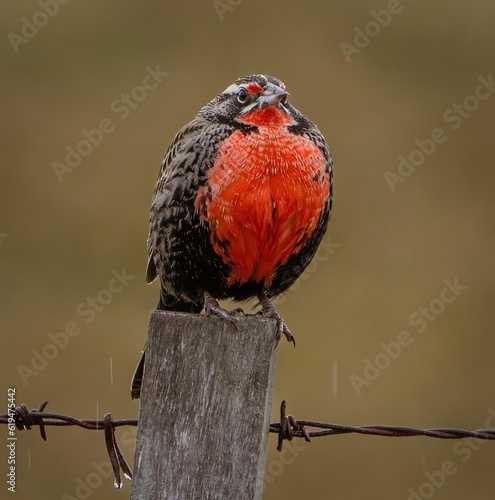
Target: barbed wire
{"points": [[23, 418], [287, 428]]}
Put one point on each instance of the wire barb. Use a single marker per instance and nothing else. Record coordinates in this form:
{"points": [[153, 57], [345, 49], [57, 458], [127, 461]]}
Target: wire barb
{"points": [[25, 419], [288, 428]]}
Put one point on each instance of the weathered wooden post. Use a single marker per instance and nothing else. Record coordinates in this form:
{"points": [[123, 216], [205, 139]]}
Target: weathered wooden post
{"points": [[205, 408]]}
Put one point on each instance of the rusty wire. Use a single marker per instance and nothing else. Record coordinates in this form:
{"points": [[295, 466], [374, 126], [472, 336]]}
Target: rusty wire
{"points": [[287, 429], [26, 419]]}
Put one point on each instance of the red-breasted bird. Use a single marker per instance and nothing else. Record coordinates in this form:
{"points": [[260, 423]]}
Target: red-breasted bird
{"points": [[242, 201]]}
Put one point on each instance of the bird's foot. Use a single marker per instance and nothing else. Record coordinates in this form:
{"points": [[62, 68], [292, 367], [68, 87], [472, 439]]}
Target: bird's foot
{"points": [[213, 308], [268, 311]]}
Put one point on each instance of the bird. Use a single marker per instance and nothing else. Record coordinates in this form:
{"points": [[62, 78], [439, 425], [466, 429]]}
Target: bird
{"points": [[241, 204]]}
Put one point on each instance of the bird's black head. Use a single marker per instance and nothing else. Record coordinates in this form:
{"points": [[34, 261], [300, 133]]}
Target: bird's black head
{"points": [[245, 95]]}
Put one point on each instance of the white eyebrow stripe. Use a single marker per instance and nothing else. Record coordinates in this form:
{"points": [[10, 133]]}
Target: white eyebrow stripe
{"points": [[232, 89]]}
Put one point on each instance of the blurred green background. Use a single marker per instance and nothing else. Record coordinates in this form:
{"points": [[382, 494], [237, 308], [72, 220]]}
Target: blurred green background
{"points": [[387, 253]]}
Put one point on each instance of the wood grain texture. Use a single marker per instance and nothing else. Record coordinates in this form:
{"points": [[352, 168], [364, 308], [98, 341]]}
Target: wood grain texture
{"points": [[205, 408]]}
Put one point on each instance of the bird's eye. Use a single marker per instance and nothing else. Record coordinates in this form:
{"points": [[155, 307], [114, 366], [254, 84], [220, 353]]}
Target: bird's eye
{"points": [[242, 95]]}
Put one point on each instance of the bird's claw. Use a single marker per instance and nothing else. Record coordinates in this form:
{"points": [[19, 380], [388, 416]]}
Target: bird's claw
{"points": [[213, 308], [282, 328], [268, 311]]}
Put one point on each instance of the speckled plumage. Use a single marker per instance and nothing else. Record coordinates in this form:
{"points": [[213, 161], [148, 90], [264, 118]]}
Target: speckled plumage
{"points": [[179, 244], [241, 203]]}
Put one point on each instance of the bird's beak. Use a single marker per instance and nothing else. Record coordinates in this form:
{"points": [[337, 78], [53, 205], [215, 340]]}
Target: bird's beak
{"points": [[271, 95]]}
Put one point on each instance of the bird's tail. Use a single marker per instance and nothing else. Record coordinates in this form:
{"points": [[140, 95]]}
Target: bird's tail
{"points": [[137, 378]]}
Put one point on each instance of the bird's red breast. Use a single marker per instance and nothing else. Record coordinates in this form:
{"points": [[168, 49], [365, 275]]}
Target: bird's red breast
{"points": [[264, 196]]}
